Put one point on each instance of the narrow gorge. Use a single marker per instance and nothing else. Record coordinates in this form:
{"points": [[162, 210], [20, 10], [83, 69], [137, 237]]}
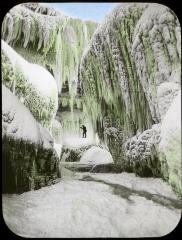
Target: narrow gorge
{"points": [[91, 121]]}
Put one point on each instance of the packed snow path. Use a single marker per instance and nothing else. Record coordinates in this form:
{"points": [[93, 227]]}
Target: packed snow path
{"points": [[95, 205]]}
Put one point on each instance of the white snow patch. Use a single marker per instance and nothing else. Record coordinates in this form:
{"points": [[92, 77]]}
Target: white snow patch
{"points": [[58, 148], [96, 155], [171, 125]]}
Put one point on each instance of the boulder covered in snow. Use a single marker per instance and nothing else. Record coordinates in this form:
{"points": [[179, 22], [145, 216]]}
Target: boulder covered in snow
{"points": [[29, 159], [170, 143], [96, 155]]}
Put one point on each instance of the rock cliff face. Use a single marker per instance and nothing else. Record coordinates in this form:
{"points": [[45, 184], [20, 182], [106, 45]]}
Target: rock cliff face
{"points": [[130, 76]]}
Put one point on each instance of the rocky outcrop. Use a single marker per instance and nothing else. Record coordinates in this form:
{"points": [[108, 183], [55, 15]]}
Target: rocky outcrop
{"points": [[33, 85], [29, 160], [130, 75]]}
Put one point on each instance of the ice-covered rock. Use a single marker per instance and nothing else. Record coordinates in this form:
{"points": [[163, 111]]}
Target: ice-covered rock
{"points": [[141, 152], [95, 156]]}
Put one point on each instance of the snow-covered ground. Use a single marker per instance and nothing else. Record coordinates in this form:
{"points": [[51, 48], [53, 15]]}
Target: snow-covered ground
{"points": [[95, 205], [76, 142]]}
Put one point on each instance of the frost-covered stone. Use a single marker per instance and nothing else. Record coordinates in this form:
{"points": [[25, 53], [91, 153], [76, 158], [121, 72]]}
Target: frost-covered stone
{"points": [[141, 146]]}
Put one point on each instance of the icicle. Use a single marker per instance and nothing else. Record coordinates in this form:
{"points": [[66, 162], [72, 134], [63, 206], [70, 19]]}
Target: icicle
{"points": [[58, 67], [85, 35], [9, 23]]}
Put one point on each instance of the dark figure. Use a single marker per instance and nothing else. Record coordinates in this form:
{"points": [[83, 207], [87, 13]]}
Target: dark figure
{"points": [[84, 131]]}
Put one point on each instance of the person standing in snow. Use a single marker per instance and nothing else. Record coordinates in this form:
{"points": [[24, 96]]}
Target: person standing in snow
{"points": [[84, 131]]}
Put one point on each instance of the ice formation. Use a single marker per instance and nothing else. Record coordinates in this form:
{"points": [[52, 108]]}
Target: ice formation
{"points": [[49, 38]]}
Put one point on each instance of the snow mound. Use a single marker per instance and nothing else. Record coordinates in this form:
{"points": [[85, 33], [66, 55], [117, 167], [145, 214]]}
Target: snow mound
{"points": [[96, 155], [170, 143], [19, 123]]}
